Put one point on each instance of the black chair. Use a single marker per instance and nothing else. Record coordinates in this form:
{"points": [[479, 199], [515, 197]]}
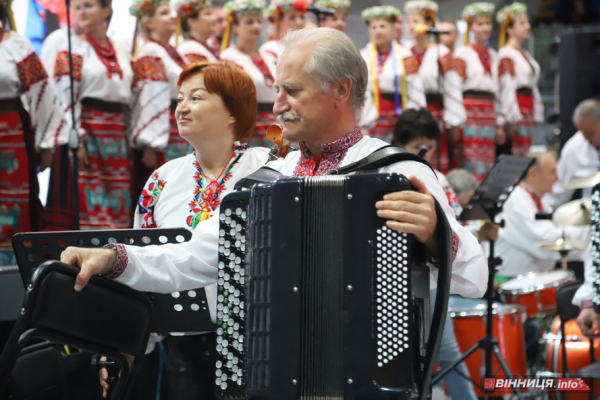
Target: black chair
{"points": [[66, 317], [106, 318], [567, 311]]}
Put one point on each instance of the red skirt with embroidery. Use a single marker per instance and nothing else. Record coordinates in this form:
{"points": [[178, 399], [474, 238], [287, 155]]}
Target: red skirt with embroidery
{"points": [[440, 159], [384, 128], [521, 143], [263, 121], [476, 149], [105, 184], [20, 208]]}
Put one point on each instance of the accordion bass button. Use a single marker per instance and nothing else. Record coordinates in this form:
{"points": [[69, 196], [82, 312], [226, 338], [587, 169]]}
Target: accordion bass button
{"points": [[350, 381], [294, 382]]}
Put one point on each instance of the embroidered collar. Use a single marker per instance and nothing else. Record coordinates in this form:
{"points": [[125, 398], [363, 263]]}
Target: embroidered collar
{"points": [[484, 58], [332, 155]]}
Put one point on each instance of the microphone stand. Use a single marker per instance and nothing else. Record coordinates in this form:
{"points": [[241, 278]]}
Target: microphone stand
{"points": [[73, 134]]}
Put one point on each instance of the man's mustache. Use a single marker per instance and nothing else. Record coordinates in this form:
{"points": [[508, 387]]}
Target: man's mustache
{"points": [[287, 116]]}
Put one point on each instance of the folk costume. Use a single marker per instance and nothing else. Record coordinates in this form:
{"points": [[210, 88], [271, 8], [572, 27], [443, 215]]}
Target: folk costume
{"points": [[518, 73], [102, 77], [261, 70], [30, 120], [394, 81], [274, 12], [435, 60], [192, 49], [179, 194], [472, 94], [156, 71]]}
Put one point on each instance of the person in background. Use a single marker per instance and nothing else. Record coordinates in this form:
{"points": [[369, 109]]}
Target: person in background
{"points": [[195, 19], [338, 19], [284, 18], [579, 156], [472, 86], [521, 106], [434, 60], [153, 131], [517, 239], [394, 82], [27, 135], [448, 39], [247, 23], [218, 25], [102, 82]]}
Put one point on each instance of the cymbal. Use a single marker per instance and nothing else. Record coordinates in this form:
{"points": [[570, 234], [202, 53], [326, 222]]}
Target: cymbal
{"points": [[585, 182], [561, 244], [574, 213]]}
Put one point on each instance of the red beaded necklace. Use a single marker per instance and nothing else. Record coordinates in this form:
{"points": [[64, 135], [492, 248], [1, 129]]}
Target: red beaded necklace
{"points": [[107, 55]]}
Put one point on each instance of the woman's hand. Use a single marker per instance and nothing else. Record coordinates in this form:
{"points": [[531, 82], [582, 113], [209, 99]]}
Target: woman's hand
{"points": [[150, 157], [82, 158]]}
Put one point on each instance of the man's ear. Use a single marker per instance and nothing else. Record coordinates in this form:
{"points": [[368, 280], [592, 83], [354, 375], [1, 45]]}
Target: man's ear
{"points": [[343, 89]]}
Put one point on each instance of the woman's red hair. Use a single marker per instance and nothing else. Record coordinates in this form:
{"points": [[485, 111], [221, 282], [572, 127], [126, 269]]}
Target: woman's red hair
{"points": [[235, 88]]}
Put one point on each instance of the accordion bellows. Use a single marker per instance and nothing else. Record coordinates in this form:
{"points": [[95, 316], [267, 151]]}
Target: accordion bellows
{"points": [[317, 297]]}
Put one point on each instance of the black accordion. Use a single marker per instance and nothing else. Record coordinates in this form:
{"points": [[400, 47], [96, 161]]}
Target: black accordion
{"points": [[317, 297]]}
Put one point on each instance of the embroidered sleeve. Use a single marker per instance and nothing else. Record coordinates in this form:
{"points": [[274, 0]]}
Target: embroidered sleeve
{"points": [[122, 260], [149, 68], [455, 244], [192, 58], [151, 102], [44, 109], [61, 65], [446, 63], [506, 66], [460, 66], [411, 65], [145, 217]]}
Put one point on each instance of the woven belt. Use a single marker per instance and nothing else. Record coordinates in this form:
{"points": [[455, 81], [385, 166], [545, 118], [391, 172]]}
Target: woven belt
{"points": [[11, 105], [479, 94], [265, 107], [101, 105]]}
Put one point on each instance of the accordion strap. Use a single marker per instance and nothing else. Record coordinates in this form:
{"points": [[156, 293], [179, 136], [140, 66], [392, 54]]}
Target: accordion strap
{"points": [[380, 158], [261, 175]]}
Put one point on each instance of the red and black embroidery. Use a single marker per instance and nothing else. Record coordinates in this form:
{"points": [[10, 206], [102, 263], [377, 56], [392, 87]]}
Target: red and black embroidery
{"points": [[506, 66], [460, 66], [446, 63], [411, 65], [484, 58], [31, 71], [122, 260], [106, 53], [192, 57], [61, 65], [149, 69], [262, 66], [332, 155]]}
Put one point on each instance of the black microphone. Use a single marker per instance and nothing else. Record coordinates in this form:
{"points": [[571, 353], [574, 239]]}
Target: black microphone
{"points": [[436, 31], [422, 151], [543, 216], [304, 6]]}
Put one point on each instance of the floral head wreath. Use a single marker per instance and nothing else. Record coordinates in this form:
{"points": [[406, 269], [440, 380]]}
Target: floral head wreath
{"points": [[474, 10], [506, 15], [144, 7], [186, 8], [379, 12], [425, 7], [282, 6], [340, 6], [238, 7]]}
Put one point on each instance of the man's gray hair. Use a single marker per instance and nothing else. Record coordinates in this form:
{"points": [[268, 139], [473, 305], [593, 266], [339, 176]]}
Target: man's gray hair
{"points": [[589, 108], [334, 58], [462, 181]]}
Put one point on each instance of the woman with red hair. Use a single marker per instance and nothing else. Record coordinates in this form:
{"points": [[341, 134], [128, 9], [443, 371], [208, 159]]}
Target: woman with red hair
{"points": [[216, 113]]}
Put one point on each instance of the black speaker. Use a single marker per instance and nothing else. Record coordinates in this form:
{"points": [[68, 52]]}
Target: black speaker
{"points": [[579, 57]]}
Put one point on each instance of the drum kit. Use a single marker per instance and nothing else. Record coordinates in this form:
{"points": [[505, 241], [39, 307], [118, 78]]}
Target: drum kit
{"points": [[529, 296]]}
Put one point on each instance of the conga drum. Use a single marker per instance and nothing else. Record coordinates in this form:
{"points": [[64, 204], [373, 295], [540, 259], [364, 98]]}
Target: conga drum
{"points": [[578, 355], [469, 327]]}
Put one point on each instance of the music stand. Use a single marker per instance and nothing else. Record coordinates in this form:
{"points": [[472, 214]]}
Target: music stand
{"points": [[486, 204]]}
